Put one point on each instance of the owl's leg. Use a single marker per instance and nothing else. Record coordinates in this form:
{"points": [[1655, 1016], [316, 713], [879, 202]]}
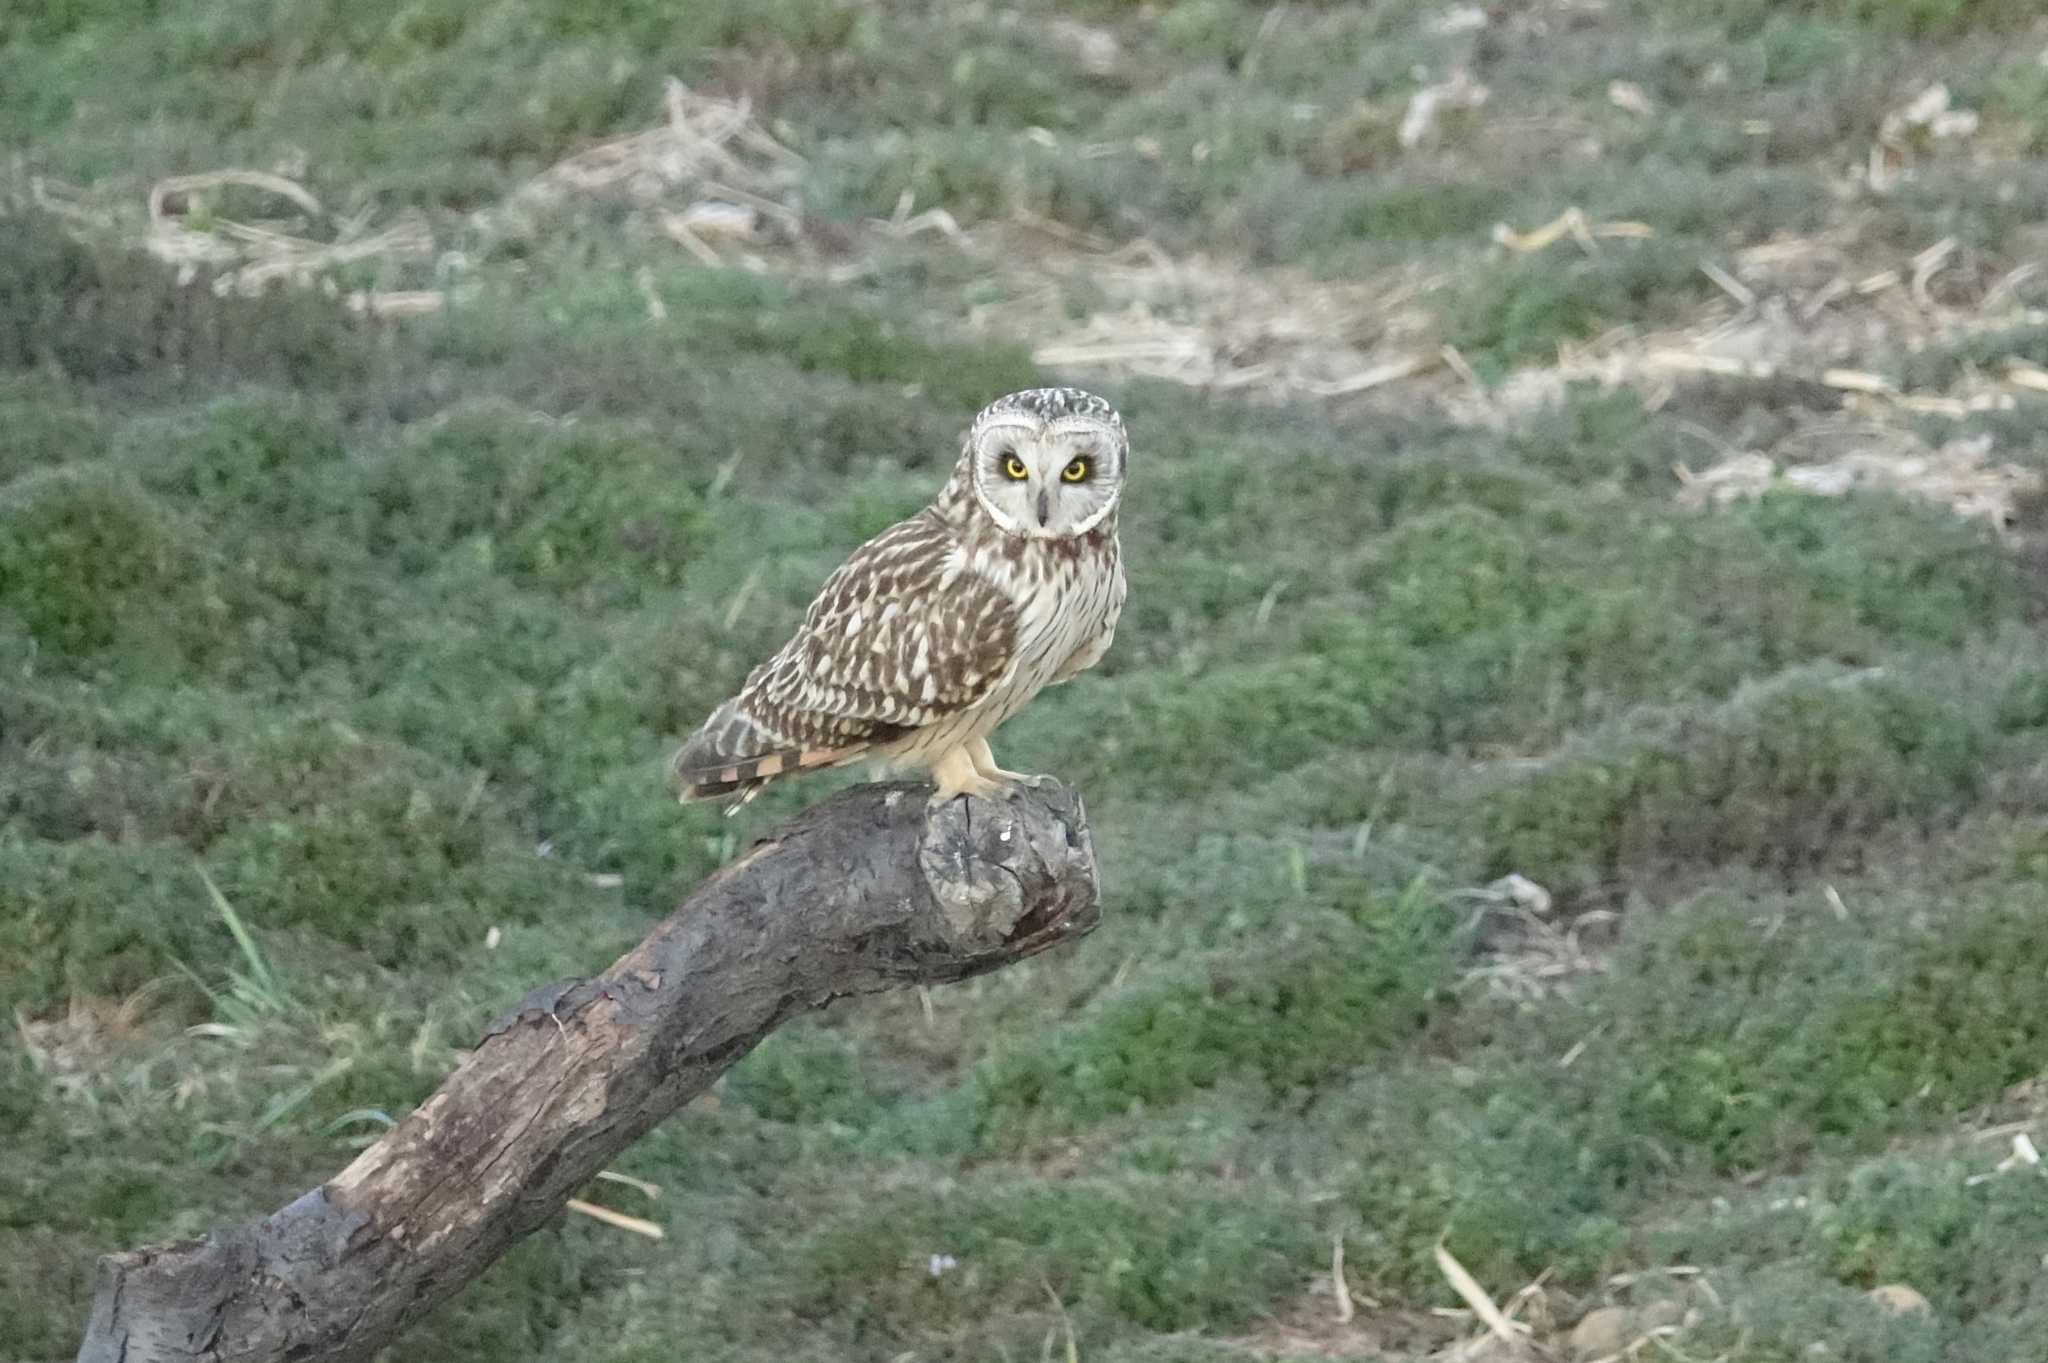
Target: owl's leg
{"points": [[955, 772], [984, 759]]}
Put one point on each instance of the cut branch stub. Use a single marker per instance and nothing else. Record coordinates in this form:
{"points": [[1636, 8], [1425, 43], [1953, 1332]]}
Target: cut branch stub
{"points": [[870, 890]]}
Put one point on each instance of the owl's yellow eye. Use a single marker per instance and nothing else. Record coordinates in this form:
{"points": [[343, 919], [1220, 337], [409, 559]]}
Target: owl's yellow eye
{"points": [[1015, 468], [1076, 471]]}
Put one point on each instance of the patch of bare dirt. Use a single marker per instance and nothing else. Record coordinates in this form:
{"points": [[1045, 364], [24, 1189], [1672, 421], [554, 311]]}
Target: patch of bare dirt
{"points": [[1636, 1316], [1806, 310], [1959, 474], [79, 1049], [708, 176], [714, 179], [1311, 1327], [1209, 324]]}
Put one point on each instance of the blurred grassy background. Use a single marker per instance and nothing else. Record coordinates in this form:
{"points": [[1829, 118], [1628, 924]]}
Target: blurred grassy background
{"points": [[384, 628]]}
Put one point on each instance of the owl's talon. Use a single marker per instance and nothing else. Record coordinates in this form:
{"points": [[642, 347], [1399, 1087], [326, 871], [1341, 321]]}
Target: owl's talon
{"points": [[991, 791], [957, 773], [984, 762]]}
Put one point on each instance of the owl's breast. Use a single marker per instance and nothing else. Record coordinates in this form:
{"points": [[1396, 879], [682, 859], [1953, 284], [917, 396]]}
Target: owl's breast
{"points": [[1065, 602]]}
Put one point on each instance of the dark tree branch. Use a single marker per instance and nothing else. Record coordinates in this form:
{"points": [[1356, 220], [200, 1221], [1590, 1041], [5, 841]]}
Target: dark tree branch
{"points": [[869, 891]]}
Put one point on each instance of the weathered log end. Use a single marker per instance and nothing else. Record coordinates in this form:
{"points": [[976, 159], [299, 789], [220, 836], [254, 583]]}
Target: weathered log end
{"points": [[1009, 880], [872, 889]]}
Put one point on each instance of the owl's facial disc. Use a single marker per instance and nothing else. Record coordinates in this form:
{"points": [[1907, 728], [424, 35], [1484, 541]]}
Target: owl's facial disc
{"points": [[1048, 479]]}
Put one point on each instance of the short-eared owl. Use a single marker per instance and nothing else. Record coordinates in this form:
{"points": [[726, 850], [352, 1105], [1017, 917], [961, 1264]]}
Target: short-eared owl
{"points": [[944, 625]]}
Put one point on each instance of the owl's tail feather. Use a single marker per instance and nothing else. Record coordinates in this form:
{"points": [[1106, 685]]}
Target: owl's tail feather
{"points": [[746, 778], [730, 755]]}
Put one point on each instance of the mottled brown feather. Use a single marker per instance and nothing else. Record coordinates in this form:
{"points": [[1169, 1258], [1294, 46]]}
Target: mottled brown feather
{"points": [[898, 637]]}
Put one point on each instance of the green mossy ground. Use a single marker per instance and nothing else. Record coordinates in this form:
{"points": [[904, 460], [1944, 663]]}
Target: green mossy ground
{"points": [[383, 631]]}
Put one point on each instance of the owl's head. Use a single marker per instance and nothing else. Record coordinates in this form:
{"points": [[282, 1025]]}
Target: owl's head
{"points": [[1047, 463]]}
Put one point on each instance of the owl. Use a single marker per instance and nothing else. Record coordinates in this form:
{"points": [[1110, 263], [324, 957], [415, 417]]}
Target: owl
{"points": [[946, 624]]}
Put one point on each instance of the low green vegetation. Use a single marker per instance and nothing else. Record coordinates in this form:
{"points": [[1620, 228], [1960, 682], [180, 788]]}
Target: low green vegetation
{"points": [[339, 659]]}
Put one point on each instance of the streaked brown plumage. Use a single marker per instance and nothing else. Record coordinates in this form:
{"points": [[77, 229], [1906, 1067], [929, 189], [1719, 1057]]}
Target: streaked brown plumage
{"points": [[944, 625]]}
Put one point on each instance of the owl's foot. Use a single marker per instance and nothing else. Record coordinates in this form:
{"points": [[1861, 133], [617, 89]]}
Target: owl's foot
{"points": [[984, 760], [957, 773]]}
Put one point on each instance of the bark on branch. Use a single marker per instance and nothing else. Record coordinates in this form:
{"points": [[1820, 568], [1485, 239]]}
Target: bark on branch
{"points": [[871, 890]]}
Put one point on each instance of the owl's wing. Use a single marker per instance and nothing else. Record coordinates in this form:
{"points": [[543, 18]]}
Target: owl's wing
{"points": [[900, 636]]}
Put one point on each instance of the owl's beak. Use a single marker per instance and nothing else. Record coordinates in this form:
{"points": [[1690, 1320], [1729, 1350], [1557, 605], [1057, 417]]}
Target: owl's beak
{"points": [[1044, 506]]}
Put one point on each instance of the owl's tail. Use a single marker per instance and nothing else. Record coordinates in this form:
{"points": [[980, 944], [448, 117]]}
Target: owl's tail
{"points": [[731, 755]]}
